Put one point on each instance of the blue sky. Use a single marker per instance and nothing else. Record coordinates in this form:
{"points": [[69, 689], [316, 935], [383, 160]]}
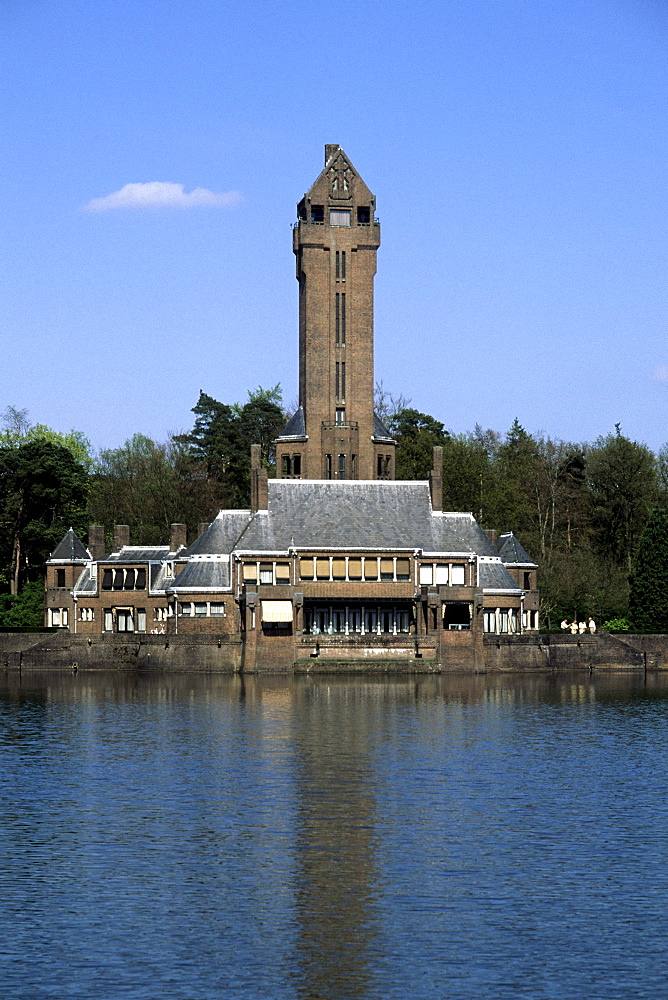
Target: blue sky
{"points": [[517, 151]]}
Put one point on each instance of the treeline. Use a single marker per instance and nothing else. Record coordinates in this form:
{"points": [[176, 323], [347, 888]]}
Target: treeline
{"points": [[579, 509]]}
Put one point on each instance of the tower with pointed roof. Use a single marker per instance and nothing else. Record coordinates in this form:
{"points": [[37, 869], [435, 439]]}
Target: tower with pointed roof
{"points": [[335, 434]]}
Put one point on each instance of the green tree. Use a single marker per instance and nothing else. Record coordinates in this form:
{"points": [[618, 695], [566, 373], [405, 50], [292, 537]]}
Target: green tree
{"points": [[417, 434], [43, 492], [24, 610], [622, 480], [18, 430], [648, 597]]}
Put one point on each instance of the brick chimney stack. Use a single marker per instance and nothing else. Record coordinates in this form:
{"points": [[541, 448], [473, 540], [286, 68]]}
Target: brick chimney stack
{"points": [[96, 545], [178, 537], [436, 479], [121, 536], [259, 485]]}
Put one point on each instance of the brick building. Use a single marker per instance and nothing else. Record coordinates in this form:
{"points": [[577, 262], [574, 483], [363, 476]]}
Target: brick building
{"points": [[333, 560]]}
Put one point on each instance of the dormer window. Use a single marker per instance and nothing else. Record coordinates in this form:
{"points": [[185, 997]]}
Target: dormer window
{"points": [[339, 217]]}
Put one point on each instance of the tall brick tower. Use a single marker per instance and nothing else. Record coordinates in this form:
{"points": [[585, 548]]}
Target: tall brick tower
{"points": [[335, 434]]}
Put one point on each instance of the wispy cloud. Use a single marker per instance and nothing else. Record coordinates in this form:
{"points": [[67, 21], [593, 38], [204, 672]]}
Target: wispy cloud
{"points": [[661, 373], [162, 194]]}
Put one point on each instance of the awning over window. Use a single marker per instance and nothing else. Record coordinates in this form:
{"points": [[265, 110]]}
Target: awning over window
{"points": [[276, 611]]}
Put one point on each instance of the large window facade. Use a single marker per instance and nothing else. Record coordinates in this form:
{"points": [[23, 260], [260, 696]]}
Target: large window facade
{"points": [[358, 619]]}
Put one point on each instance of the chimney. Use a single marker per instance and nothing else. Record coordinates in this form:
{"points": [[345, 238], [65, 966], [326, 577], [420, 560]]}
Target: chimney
{"points": [[492, 535], [436, 479], [201, 527], [259, 486], [96, 545], [330, 151], [121, 536], [178, 537]]}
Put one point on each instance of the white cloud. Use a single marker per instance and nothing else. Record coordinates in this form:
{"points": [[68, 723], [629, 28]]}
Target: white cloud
{"points": [[162, 194], [661, 373]]}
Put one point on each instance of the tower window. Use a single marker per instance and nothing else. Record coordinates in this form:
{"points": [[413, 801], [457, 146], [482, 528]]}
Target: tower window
{"points": [[296, 465], [337, 385], [339, 217], [342, 466], [328, 466], [337, 317], [317, 213], [343, 380], [343, 317], [286, 466], [363, 215], [340, 415], [60, 578], [343, 265]]}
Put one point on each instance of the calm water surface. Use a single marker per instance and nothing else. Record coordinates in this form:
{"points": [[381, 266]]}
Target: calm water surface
{"points": [[204, 837]]}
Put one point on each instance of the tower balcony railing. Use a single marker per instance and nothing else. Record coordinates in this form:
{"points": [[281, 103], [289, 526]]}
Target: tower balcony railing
{"points": [[332, 425]]}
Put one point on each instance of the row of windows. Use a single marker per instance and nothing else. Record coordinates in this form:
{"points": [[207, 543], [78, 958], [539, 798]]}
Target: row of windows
{"points": [[363, 620], [201, 609], [337, 216], [371, 568], [443, 574], [500, 620], [58, 618], [124, 579], [291, 466], [337, 467]]}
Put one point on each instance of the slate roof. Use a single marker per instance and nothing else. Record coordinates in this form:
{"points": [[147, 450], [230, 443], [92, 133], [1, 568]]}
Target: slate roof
{"points": [[511, 551], [349, 514], [296, 426], [203, 574], [221, 535], [86, 584], [70, 549], [138, 553], [495, 576], [380, 430]]}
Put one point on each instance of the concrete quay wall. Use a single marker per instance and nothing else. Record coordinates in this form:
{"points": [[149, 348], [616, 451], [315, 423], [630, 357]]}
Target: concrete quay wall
{"points": [[211, 654]]}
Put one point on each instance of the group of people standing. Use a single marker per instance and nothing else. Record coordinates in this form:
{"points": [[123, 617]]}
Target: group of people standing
{"points": [[580, 628]]}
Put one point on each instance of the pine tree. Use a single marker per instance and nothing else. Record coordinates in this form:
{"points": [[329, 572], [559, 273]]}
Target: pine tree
{"points": [[648, 602]]}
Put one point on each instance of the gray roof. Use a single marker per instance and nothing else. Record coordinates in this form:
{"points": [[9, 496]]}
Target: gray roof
{"points": [[71, 549], [495, 576], [221, 535], [203, 574], [380, 430], [511, 551], [86, 584], [355, 514], [138, 553], [295, 426]]}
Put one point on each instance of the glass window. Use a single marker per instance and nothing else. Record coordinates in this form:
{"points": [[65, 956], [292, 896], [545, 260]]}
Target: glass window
{"points": [[217, 610], [107, 579], [306, 568], [119, 578], [141, 619], [282, 572], [322, 569], [340, 416], [339, 217], [200, 611], [387, 569], [426, 575], [441, 575], [403, 569], [458, 575], [338, 569], [60, 578], [130, 579], [354, 569], [140, 583], [266, 573], [108, 620], [250, 572], [370, 569], [185, 609]]}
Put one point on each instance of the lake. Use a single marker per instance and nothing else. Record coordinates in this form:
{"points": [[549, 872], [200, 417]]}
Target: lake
{"points": [[481, 837]]}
